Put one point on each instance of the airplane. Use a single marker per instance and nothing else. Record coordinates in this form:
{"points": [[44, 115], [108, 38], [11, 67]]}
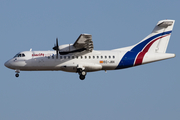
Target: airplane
{"points": [[81, 57]]}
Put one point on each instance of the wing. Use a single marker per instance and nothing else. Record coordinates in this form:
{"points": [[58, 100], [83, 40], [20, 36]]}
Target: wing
{"points": [[84, 41]]}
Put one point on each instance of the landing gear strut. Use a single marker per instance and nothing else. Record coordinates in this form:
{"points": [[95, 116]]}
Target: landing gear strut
{"points": [[17, 73], [82, 74]]}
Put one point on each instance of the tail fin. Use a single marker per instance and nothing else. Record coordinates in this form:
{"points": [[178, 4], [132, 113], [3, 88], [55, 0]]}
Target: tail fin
{"points": [[158, 40]]}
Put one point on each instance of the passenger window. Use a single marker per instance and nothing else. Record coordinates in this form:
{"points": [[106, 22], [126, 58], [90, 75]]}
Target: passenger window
{"points": [[105, 57], [64, 57], [101, 56], [97, 57], [113, 56], [85, 57], [81, 57], [72, 57], [77, 57], [93, 57], [60, 57], [68, 57], [89, 57], [109, 56]]}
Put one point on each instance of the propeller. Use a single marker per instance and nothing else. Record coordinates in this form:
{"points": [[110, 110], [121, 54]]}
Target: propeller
{"points": [[56, 47]]}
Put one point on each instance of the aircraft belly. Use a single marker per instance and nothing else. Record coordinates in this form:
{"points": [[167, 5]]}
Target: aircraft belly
{"points": [[41, 65], [88, 67]]}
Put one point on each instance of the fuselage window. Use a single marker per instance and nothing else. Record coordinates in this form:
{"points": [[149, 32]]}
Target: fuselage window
{"points": [[64, 57], [113, 56], [72, 57], [89, 57], [68, 57], [93, 57], [77, 57], [81, 57], [16, 55], [101, 56], [97, 57], [105, 57], [60, 57], [109, 57], [19, 55], [23, 55], [85, 57]]}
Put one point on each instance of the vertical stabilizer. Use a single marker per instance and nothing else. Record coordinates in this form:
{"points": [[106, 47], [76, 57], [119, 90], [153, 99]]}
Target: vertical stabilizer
{"points": [[157, 41], [163, 27], [154, 44]]}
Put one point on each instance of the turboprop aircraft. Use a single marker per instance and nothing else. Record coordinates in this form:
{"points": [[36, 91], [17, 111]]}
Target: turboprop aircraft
{"points": [[81, 58]]}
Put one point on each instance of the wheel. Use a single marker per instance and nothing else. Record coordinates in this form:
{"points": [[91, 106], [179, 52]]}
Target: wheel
{"points": [[83, 73], [82, 77], [17, 75]]}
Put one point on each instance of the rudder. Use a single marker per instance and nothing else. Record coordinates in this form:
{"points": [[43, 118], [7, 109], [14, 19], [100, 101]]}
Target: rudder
{"points": [[162, 27]]}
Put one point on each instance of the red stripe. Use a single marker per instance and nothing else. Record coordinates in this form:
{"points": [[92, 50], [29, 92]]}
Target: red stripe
{"points": [[141, 54], [139, 58]]}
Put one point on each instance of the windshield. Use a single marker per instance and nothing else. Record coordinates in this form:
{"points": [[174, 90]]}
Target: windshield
{"points": [[19, 55]]}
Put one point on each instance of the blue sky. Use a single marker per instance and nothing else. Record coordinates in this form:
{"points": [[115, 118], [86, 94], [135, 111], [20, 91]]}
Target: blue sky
{"points": [[148, 92]]}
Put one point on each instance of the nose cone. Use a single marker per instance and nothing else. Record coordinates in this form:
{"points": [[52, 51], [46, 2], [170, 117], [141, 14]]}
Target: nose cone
{"points": [[7, 64], [15, 64]]}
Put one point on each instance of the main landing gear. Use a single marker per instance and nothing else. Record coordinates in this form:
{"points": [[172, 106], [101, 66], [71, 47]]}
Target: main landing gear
{"points": [[17, 73], [82, 74]]}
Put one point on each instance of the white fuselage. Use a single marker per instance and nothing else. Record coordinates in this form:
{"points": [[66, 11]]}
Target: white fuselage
{"points": [[47, 60], [93, 61]]}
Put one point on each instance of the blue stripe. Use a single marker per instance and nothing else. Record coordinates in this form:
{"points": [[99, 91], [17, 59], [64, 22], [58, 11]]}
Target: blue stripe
{"points": [[141, 45], [127, 60], [129, 57]]}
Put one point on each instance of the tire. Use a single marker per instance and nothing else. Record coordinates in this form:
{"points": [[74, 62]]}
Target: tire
{"points": [[17, 75], [82, 77]]}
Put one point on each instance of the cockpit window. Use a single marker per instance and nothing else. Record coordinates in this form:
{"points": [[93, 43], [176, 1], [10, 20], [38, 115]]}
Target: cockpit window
{"points": [[22, 55], [19, 55], [16, 55]]}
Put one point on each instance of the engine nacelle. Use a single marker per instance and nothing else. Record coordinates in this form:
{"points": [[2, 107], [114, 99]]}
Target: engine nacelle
{"points": [[69, 48], [66, 48]]}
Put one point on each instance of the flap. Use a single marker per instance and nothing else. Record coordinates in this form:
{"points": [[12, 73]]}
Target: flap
{"points": [[84, 41]]}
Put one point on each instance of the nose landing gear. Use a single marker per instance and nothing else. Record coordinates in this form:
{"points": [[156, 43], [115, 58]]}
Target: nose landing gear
{"points": [[82, 74], [17, 73]]}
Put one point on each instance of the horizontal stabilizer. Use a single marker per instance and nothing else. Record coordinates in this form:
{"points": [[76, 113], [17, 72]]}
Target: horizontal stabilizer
{"points": [[165, 23]]}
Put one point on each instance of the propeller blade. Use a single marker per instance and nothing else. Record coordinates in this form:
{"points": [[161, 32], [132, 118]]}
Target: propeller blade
{"points": [[57, 48], [57, 42], [54, 48]]}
